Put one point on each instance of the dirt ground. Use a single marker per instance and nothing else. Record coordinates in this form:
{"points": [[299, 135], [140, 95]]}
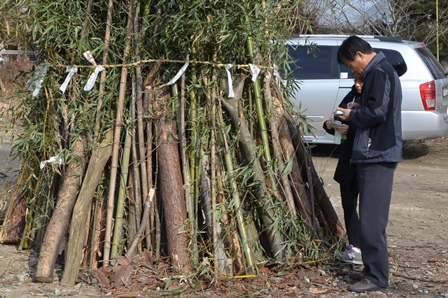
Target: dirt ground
{"points": [[417, 236]]}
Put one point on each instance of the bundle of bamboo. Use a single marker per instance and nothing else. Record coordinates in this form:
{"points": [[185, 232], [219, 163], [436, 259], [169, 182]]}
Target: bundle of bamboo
{"points": [[179, 169]]}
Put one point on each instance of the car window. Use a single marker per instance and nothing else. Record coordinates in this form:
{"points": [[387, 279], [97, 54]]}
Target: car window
{"points": [[312, 62], [345, 69], [431, 62], [394, 58]]}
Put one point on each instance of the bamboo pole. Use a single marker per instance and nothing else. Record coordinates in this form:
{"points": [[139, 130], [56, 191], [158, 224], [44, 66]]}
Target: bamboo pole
{"points": [[153, 224], [275, 240], [116, 142], [141, 230], [261, 190], [141, 180], [121, 199], [102, 85], [277, 147], [236, 199], [193, 176], [298, 184], [189, 193], [218, 244], [134, 221]]}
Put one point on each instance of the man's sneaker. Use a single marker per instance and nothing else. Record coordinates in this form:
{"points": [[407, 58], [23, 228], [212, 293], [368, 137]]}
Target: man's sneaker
{"points": [[356, 275], [350, 255], [364, 285]]}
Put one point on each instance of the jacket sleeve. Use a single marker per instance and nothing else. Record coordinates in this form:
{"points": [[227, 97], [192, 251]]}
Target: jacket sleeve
{"points": [[375, 102], [330, 131], [348, 98]]}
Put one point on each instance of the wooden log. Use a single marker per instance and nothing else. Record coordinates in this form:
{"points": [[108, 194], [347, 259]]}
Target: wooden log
{"points": [[98, 160], [171, 187], [13, 223], [332, 224], [59, 222]]}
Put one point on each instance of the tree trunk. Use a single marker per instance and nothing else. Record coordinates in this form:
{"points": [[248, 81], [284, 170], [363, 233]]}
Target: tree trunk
{"points": [[171, 187], [59, 222], [99, 158]]}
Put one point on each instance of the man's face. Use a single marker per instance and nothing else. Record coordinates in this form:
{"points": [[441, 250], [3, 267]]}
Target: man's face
{"points": [[358, 64]]}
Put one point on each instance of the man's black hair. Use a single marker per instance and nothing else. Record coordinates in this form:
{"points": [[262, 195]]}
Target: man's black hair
{"points": [[351, 46]]}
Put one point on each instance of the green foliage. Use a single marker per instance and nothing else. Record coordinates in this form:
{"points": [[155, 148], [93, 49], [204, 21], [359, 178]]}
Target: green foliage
{"points": [[424, 16]]}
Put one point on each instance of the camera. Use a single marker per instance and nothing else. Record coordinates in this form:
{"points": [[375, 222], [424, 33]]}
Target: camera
{"points": [[338, 113]]}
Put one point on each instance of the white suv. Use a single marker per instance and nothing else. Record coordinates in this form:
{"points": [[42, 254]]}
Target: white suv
{"points": [[323, 82]]}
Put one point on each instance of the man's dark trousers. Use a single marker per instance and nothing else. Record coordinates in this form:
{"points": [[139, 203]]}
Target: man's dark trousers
{"points": [[375, 191]]}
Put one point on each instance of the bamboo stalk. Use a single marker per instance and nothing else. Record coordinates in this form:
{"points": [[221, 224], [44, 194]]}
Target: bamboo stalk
{"points": [[121, 199], [323, 201], [135, 182], [277, 147], [236, 199], [218, 245], [193, 176], [141, 230], [154, 220], [298, 185], [141, 180], [97, 208], [189, 193], [102, 85], [116, 142], [261, 190], [146, 156], [153, 224], [268, 204]]}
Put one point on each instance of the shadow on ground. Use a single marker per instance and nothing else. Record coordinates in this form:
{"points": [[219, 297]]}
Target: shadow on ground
{"points": [[411, 150]]}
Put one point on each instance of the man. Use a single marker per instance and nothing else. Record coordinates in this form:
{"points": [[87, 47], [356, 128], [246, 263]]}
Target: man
{"points": [[377, 149]]}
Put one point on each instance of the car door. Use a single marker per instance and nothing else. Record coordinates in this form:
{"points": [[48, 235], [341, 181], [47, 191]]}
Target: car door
{"points": [[316, 71]]}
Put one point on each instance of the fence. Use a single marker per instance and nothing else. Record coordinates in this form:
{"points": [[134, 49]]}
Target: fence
{"points": [[14, 53]]}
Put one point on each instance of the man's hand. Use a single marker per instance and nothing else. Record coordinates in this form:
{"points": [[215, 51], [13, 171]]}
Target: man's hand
{"points": [[341, 128], [345, 114], [353, 105]]}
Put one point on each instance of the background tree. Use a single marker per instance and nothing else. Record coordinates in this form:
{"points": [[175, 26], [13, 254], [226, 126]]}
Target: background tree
{"points": [[414, 20]]}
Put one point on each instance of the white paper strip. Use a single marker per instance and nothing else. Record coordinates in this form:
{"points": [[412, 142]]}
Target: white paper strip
{"points": [[229, 80], [89, 57], [38, 85], [53, 159], [35, 83], [92, 79], [276, 74], [255, 72], [71, 71], [179, 74]]}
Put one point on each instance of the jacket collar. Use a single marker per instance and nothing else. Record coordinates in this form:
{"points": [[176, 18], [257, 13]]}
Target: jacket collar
{"points": [[375, 60]]}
